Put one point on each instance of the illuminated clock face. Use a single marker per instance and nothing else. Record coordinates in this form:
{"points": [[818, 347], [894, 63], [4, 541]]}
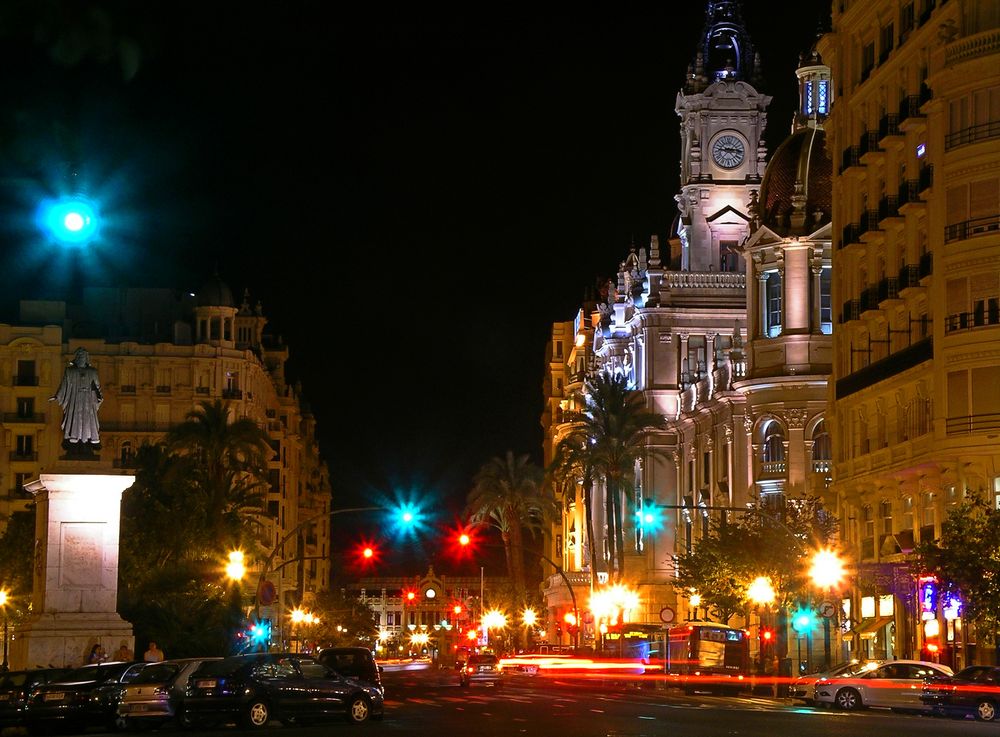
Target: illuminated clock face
{"points": [[430, 593], [727, 151]]}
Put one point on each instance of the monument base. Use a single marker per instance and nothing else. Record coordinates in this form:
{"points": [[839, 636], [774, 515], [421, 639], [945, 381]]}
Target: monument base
{"points": [[66, 639]]}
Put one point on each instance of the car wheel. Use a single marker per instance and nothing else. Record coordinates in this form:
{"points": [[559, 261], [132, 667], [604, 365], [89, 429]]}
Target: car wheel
{"points": [[358, 709], [848, 699], [986, 711], [257, 714]]}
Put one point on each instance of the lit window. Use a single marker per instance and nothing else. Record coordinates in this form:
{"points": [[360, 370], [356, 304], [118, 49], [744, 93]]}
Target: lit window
{"points": [[823, 105], [808, 95], [773, 297]]}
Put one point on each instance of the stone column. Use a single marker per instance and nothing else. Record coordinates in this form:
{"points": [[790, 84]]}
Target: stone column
{"points": [[75, 583]]}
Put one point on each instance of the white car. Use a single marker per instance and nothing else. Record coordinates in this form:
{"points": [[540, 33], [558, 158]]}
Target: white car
{"points": [[896, 684]]}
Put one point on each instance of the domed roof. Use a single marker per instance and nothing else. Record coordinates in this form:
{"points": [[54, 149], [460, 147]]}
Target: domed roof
{"points": [[215, 293], [799, 168]]}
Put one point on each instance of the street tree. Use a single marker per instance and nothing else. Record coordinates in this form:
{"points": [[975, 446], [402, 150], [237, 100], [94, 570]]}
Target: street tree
{"points": [[344, 620], [966, 560], [228, 465], [775, 542], [508, 493], [613, 428]]}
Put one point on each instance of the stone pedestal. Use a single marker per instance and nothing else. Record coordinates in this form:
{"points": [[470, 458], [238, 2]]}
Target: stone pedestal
{"points": [[75, 569]]}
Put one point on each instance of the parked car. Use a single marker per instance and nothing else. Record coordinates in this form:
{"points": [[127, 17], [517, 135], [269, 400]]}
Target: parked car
{"points": [[353, 662], [974, 690], [896, 684], [84, 697], [16, 685], [152, 699], [481, 668], [252, 689], [803, 688]]}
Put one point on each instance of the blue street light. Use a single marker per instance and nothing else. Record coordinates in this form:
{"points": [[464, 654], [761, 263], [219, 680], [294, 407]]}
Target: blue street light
{"points": [[649, 517], [69, 220]]}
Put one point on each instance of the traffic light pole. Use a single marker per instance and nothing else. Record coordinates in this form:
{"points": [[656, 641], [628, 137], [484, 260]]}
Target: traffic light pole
{"points": [[291, 533]]}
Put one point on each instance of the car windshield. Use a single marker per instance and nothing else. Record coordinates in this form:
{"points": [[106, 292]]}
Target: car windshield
{"points": [[91, 673], [483, 659], [157, 673], [224, 667]]}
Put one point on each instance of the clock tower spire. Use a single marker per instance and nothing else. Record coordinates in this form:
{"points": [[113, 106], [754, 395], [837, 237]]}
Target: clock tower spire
{"points": [[723, 117]]}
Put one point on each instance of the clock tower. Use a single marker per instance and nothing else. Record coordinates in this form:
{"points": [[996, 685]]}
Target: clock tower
{"points": [[722, 142]]}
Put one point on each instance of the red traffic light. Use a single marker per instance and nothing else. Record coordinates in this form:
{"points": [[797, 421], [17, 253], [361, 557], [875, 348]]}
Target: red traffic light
{"points": [[409, 596], [767, 635]]}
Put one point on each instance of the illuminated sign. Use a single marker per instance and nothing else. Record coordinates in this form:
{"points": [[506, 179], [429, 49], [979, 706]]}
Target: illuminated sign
{"points": [[928, 597]]}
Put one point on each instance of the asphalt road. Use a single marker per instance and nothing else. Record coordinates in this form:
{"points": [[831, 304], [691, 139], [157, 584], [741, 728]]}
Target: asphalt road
{"points": [[430, 702]]}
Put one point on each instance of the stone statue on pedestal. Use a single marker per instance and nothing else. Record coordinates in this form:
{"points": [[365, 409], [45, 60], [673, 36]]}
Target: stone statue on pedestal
{"points": [[80, 397]]}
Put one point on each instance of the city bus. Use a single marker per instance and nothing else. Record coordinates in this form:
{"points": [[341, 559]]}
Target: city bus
{"points": [[708, 656]]}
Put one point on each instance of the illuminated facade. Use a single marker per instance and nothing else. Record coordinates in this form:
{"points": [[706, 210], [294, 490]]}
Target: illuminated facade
{"points": [[915, 135], [158, 357], [726, 331]]}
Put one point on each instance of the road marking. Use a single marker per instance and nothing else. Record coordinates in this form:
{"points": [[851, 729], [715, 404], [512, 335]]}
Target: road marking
{"points": [[642, 717], [598, 711]]}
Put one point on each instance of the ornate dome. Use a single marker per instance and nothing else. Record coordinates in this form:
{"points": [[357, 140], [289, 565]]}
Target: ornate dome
{"points": [[215, 293], [798, 177]]}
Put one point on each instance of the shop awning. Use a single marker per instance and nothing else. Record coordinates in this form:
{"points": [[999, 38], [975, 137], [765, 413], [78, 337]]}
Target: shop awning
{"points": [[869, 628]]}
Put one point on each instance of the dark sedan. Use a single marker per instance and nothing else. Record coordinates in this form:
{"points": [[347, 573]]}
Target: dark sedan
{"points": [[84, 697], [974, 690], [15, 687], [253, 689]]}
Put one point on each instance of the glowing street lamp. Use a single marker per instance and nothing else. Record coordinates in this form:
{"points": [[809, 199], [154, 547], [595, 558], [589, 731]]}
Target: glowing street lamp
{"points": [[827, 569], [761, 592], [236, 568], [3, 605], [69, 220], [529, 617]]}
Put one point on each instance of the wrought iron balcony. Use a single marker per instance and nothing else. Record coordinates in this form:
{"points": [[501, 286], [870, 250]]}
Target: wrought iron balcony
{"points": [[25, 380], [913, 355], [971, 228], [888, 126]]}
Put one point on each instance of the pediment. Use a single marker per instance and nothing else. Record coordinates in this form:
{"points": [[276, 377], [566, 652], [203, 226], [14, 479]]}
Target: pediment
{"points": [[727, 210]]}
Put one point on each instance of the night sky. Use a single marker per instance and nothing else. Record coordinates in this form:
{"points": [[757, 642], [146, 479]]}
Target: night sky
{"points": [[414, 197]]}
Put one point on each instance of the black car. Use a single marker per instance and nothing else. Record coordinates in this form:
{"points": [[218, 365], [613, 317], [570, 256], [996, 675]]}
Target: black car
{"points": [[974, 690], [16, 685], [292, 688], [353, 662], [84, 697]]}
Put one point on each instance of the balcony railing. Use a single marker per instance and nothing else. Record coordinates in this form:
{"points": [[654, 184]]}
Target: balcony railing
{"points": [[972, 423], [821, 466], [162, 389], [888, 288], [888, 207], [201, 390], [896, 363], [869, 221], [232, 394], [850, 234], [774, 468], [968, 320], [851, 310], [868, 143], [145, 426], [888, 125], [23, 457], [909, 107], [25, 380], [705, 280], [973, 134], [869, 299], [909, 276], [21, 417], [973, 227], [851, 157], [126, 389], [909, 191]]}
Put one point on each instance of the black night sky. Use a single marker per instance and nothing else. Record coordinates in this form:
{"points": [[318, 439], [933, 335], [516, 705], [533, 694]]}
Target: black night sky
{"points": [[414, 196]]}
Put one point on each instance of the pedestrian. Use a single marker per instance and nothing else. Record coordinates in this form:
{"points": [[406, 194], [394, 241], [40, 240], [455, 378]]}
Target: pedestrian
{"points": [[153, 654], [124, 654], [97, 654]]}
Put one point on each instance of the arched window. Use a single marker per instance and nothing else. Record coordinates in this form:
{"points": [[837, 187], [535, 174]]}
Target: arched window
{"points": [[773, 447], [127, 454], [821, 448]]}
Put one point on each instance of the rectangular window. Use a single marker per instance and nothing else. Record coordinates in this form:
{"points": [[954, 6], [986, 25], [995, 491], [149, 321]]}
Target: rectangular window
{"points": [[826, 300], [888, 39], [885, 512], [773, 287], [807, 103], [26, 375], [25, 407], [867, 60], [729, 259], [25, 446], [905, 21]]}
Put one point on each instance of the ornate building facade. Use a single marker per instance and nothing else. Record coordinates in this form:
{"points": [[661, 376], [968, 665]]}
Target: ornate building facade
{"points": [[726, 331], [915, 135], [157, 357]]}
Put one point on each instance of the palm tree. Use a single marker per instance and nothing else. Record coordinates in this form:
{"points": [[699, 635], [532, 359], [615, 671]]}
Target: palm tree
{"points": [[230, 467], [614, 425], [572, 462], [508, 493]]}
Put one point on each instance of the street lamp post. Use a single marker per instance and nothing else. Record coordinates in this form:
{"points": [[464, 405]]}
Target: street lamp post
{"points": [[3, 605]]}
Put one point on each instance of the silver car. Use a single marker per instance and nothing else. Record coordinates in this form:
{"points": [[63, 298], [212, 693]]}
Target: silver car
{"points": [[896, 684], [154, 696]]}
